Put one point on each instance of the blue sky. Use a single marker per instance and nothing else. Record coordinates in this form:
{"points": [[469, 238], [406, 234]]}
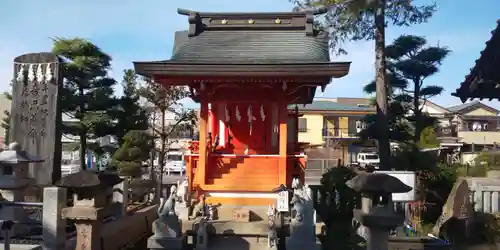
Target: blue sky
{"points": [[131, 30]]}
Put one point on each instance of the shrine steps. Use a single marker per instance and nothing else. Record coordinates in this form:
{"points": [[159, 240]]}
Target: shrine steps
{"points": [[241, 201], [244, 178]]}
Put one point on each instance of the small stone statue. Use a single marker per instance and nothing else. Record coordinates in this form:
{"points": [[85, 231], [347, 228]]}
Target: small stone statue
{"points": [[199, 208], [271, 211], [302, 234], [298, 207], [168, 206], [182, 191], [202, 235], [272, 235], [212, 211], [167, 224]]}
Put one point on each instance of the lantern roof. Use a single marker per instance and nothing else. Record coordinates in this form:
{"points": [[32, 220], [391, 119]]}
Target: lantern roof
{"points": [[15, 155]]}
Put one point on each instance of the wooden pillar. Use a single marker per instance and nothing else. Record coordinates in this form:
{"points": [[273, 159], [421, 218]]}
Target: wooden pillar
{"points": [[283, 144], [202, 163]]}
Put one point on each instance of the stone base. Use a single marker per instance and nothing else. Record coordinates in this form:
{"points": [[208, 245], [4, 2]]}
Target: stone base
{"points": [[24, 247], [155, 242], [295, 245]]}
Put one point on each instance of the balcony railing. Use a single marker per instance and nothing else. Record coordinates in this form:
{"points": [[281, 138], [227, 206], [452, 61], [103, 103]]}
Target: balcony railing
{"points": [[448, 131], [182, 134], [340, 133]]}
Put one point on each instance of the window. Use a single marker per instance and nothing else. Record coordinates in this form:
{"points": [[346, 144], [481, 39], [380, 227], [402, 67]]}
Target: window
{"points": [[362, 105], [302, 125], [174, 157], [372, 157], [7, 170]]}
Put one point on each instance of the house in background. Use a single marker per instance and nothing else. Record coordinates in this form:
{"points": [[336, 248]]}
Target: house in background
{"points": [[477, 126], [466, 129], [478, 122], [334, 123]]}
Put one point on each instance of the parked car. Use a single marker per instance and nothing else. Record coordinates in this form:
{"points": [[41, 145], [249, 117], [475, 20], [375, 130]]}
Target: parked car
{"points": [[367, 161], [175, 162]]}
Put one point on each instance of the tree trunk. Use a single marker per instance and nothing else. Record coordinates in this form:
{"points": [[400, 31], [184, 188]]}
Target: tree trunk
{"points": [[153, 151], [381, 87], [161, 157], [83, 135], [417, 114]]}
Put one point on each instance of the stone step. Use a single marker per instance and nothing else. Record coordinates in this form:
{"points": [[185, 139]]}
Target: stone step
{"points": [[257, 213], [243, 170], [243, 175], [241, 187], [237, 181], [238, 242]]}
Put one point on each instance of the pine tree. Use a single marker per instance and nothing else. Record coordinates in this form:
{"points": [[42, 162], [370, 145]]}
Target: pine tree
{"points": [[6, 120], [134, 151], [129, 114], [354, 20], [410, 62], [87, 93]]}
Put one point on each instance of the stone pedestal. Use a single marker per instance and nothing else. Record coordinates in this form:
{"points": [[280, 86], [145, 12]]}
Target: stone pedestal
{"points": [[168, 243], [121, 198], [379, 222], [54, 226], [167, 234], [88, 223], [167, 230], [302, 237]]}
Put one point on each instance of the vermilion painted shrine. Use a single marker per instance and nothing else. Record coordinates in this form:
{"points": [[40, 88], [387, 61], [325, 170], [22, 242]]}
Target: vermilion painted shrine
{"points": [[244, 69]]}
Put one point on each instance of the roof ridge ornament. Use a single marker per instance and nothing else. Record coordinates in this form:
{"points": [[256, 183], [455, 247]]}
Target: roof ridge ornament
{"points": [[298, 20]]}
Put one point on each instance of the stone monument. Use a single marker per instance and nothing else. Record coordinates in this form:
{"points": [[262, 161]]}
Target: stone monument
{"points": [[92, 198], [167, 228], [14, 181], [377, 208], [35, 119], [456, 215]]}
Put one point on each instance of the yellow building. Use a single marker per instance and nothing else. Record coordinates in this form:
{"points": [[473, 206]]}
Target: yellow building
{"points": [[328, 121]]}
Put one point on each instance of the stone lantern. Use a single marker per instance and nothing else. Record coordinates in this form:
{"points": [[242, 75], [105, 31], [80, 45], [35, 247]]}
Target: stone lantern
{"points": [[377, 208], [14, 180], [92, 201]]}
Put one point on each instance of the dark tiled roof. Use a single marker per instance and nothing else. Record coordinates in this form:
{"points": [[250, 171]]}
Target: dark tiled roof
{"points": [[255, 47], [353, 101], [332, 106], [458, 108], [483, 81], [466, 107]]}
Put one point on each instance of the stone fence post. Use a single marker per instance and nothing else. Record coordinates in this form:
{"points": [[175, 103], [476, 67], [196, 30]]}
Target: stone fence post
{"points": [[54, 226], [121, 197]]}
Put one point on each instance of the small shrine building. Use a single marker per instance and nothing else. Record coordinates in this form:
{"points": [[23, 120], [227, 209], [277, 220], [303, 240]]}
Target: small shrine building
{"points": [[244, 69]]}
